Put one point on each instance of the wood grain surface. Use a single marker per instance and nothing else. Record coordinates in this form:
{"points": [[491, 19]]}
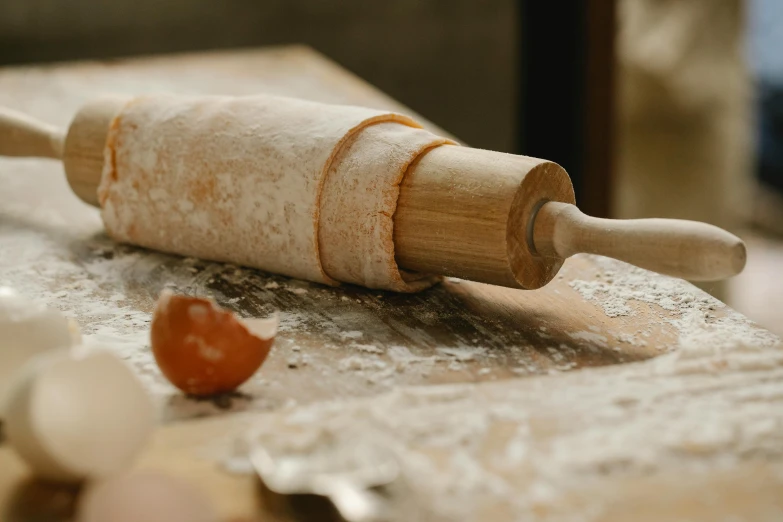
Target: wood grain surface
{"points": [[336, 344]]}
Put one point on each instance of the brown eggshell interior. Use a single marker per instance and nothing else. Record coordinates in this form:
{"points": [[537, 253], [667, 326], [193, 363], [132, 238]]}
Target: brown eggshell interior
{"points": [[205, 350]]}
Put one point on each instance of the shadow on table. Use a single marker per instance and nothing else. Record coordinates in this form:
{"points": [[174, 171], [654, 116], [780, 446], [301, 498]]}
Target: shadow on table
{"points": [[39, 501]]}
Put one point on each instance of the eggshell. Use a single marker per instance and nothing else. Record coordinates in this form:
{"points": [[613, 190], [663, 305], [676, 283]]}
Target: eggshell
{"points": [[72, 417], [28, 328], [144, 496], [204, 350]]}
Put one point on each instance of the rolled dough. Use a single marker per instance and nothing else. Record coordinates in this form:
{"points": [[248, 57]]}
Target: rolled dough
{"points": [[227, 179], [243, 180], [358, 204]]}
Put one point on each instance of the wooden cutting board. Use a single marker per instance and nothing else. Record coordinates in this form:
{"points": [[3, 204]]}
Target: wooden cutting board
{"points": [[336, 344]]}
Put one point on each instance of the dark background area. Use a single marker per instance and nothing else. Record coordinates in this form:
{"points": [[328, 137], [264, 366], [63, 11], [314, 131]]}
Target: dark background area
{"points": [[455, 61], [507, 75]]}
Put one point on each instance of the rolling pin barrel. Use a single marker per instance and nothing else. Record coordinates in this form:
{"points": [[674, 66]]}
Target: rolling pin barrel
{"points": [[466, 213]]}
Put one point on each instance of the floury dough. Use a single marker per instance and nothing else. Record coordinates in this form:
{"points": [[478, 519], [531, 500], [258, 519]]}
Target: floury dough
{"points": [[246, 180], [358, 203]]}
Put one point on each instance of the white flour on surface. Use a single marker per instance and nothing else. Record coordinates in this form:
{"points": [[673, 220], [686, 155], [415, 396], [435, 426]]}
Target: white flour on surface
{"points": [[88, 281], [524, 444], [42, 269], [617, 285], [525, 447], [593, 337]]}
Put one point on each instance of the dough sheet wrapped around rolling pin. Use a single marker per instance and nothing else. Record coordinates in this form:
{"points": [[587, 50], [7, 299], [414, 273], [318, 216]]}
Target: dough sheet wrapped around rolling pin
{"points": [[272, 183]]}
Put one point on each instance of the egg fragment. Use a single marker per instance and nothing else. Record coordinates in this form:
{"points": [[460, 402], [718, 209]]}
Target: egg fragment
{"points": [[144, 496], [72, 417], [28, 328], [205, 350]]}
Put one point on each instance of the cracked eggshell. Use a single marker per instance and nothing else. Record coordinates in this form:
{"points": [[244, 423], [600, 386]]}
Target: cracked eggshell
{"points": [[28, 328], [144, 496], [205, 350], [72, 417]]}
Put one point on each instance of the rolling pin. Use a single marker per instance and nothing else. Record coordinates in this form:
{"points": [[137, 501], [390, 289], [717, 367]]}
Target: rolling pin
{"points": [[474, 214]]}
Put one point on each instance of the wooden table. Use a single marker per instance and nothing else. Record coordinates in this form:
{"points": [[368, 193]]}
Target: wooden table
{"points": [[515, 430]]}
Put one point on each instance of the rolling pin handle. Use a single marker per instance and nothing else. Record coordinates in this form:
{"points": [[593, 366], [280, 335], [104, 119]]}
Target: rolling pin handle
{"points": [[24, 136], [687, 249]]}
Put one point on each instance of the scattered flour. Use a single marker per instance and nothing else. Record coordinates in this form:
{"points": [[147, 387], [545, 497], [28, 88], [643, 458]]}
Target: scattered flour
{"points": [[526, 446], [463, 354], [600, 340], [631, 339], [351, 334], [366, 348], [355, 363], [36, 264], [614, 289]]}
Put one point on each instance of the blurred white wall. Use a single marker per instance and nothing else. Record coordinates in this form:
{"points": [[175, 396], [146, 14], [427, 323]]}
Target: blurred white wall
{"points": [[684, 123], [454, 61]]}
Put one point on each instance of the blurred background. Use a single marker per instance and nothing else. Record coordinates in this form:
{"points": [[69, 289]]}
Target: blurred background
{"points": [[668, 108]]}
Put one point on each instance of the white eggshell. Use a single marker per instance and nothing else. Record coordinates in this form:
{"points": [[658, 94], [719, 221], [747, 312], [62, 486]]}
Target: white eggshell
{"points": [[28, 328], [144, 496], [72, 417]]}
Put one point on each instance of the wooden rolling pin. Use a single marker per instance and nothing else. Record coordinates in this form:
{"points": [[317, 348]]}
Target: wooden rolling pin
{"points": [[473, 214]]}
